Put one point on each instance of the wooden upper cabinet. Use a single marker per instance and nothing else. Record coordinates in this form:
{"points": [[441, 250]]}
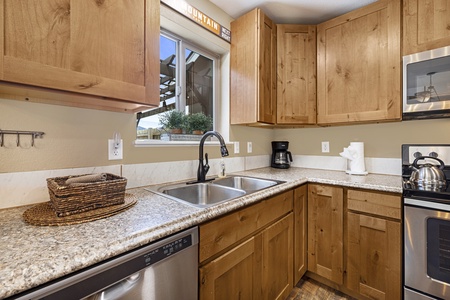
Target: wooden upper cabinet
{"points": [[296, 74], [426, 25], [359, 65], [103, 49], [253, 69]]}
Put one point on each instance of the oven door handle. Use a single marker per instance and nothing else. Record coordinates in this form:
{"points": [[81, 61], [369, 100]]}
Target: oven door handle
{"points": [[426, 204]]}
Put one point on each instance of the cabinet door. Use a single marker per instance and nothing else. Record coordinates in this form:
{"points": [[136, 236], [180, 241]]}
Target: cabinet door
{"points": [[325, 231], [300, 232], [253, 69], [219, 234], [234, 275], [426, 25], [359, 65], [277, 259], [267, 65], [374, 257], [296, 69], [108, 49]]}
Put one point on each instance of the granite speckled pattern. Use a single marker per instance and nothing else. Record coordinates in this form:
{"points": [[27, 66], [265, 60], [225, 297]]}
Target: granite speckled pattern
{"points": [[33, 255]]}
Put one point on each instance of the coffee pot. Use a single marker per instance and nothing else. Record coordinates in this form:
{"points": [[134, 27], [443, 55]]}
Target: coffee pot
{"points": [[281, 157]]}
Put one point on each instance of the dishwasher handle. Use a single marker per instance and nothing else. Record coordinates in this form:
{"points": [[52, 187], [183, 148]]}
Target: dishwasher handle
{"points": [[118, 290]]}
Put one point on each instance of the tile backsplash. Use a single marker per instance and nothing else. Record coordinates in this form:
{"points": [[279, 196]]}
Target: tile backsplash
{"points": [[23, 188]]}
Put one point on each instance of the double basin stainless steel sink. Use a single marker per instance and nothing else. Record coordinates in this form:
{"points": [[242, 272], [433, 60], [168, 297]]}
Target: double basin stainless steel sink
{"points": [[210, 193]]}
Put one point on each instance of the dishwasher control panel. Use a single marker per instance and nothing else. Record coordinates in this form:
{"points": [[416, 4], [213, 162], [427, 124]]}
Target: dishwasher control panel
{"points": [[167, 250]]}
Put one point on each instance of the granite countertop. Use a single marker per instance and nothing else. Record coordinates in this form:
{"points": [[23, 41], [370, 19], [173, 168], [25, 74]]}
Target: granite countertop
{"points": [[33, 255]]}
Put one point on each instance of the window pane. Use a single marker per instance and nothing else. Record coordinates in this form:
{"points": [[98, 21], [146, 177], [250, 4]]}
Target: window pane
{"points": [[194, 74], [199, 83], [148, 125]]}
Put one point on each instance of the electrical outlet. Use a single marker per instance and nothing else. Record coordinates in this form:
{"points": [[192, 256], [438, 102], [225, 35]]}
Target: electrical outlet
{"points": [[236, 147], [115, 153], [249, 147], [325, 147]]}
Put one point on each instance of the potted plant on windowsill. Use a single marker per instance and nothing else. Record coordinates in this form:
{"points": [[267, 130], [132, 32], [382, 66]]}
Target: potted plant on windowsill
{"points": [[173, 121], [198, 123]]}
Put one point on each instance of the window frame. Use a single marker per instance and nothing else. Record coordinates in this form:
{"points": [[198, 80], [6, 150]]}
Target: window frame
{"points": [[180, 90]]}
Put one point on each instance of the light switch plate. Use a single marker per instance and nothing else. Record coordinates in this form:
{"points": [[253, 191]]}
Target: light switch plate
{"points": [[236, 147], [249, 147]]}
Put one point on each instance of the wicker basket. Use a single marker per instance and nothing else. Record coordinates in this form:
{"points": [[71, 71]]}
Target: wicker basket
{"points": [[68, 200]]}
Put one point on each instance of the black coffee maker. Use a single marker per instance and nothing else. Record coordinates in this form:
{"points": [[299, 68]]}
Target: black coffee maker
{"points": [[281, 157]]}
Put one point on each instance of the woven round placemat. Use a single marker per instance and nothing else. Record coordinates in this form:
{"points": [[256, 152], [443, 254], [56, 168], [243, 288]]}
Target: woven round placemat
{"points": [[43, 214]]}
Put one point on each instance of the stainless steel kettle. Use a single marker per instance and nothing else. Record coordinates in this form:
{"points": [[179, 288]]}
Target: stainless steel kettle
{"points": [[427, 174]]}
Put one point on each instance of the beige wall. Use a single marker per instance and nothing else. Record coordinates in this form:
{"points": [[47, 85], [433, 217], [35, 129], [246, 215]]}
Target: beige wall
{"points": [[380, 140], [76, 137]]}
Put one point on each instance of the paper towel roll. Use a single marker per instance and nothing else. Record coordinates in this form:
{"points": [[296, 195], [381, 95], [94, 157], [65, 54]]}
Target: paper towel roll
{"points": [[357, 164]]}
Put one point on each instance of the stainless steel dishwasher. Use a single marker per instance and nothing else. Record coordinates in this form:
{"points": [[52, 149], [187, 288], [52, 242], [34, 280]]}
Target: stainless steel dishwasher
{"points": [[166, 269]]}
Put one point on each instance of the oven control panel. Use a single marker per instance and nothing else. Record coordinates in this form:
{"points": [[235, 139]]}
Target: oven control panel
{"points": [[411, 152]]}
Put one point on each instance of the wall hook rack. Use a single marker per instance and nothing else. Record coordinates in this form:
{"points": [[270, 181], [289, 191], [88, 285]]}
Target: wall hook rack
{"points": [[18, 133]]}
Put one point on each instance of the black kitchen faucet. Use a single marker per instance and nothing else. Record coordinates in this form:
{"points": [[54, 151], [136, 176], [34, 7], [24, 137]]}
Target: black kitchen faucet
{"points": [[204, 168]]}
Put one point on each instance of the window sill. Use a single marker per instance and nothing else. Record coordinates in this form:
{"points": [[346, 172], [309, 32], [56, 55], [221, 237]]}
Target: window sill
{"points": [[159, 143]]}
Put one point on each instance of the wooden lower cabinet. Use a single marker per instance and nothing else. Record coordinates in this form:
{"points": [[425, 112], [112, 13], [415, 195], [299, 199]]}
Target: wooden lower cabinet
{"points": [[277, 259], [300, 231], [258, 266], [374, 256], [325, 231], [349, 239], [232, 275], [354, 241], [374, 242]]}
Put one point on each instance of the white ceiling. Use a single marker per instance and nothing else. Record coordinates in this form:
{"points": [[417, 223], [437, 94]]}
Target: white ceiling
{"points": [[292, 11]]}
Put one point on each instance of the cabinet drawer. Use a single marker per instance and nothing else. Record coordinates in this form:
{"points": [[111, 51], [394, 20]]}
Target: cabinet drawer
{"points": [[223, 232], [382, 204]]}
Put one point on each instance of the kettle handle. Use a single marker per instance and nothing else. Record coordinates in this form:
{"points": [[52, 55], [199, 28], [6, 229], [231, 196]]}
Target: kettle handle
{"points": [[423, 157]]}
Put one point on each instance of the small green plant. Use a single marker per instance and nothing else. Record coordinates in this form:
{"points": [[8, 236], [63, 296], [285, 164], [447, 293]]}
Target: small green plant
{"points": [[173, 119], [199, 122]]}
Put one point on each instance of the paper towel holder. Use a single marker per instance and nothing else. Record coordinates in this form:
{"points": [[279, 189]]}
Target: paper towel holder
{"points": [[350, 172], [354, 155]]}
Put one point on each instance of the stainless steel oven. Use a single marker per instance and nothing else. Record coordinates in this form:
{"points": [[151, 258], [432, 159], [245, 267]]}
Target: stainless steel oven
{"points": [[426, 206], [426, 84], [427, 249]]}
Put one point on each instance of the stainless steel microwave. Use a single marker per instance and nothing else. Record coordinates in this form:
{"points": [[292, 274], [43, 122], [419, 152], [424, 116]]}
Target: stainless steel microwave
{"points": [[426, 84]]}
